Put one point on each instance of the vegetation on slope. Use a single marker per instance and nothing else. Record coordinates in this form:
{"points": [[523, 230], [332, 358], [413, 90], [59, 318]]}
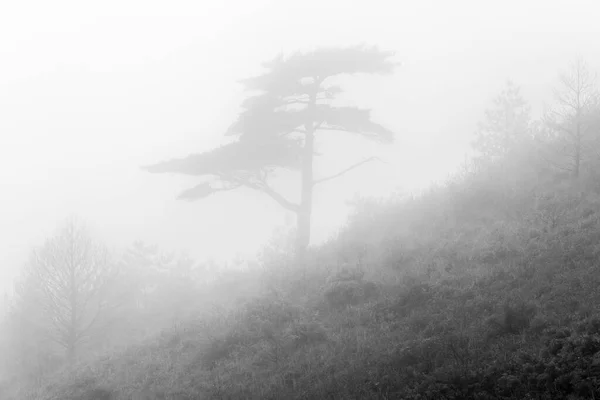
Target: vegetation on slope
{"points": [[480, 308], [483, 288]]}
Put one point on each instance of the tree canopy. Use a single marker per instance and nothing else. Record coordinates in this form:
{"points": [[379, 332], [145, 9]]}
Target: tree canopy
{"points": [[290, 102]]}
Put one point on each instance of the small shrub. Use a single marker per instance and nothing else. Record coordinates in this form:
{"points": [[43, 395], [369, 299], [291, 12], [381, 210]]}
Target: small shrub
{"points": [[86, 388], [590, 325], [99, 394], [518, 318], [415, 298], [539, 324], [263, 318], [310, 333], [266, 313], [512, 320], [344, 293], [348, 274], [222, 348], [420, 321]]}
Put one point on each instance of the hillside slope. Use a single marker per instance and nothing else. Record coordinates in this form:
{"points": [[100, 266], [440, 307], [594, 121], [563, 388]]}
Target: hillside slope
{"points": [[448, 295]]}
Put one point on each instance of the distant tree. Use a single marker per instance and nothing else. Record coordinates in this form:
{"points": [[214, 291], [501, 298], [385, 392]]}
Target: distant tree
{"points": [[506, 161], [276, 130], [573, 119], [64, 290], [139, 272], [505, 125], [161, 286]]}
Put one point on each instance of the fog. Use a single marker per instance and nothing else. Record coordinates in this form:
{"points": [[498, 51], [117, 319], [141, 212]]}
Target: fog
{"points": [[89, 94]]}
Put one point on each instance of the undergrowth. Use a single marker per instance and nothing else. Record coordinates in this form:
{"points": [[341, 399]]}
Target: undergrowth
{"points": [[428, 305]]}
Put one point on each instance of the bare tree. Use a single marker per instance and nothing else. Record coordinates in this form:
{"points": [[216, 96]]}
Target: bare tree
{"points": [[68, 281], [572, 118]]}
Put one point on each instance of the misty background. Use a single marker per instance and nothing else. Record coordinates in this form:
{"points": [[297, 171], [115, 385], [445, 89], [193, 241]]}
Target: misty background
{"points": [[90, 93]]}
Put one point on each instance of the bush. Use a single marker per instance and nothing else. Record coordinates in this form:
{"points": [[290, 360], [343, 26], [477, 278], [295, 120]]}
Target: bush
{"points": [[345, 293]]}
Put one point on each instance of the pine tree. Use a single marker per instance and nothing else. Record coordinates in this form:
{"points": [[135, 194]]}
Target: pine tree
{"points": [[278, 125]]}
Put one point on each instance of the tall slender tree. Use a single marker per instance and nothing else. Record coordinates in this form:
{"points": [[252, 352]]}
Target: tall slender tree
{"points": [[573, 117], [277, 127]]}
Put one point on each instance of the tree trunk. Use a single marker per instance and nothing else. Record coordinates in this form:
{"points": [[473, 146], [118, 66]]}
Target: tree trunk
{"points": [[577, 166], [578, 115], [305, 211], [72, 328], [71, 351], [577, 155]]}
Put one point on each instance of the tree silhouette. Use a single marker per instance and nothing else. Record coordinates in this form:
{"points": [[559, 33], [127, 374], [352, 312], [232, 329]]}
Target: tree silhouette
{"points": [[573, 119], [505, 126], [277, 127], [65, 287]]}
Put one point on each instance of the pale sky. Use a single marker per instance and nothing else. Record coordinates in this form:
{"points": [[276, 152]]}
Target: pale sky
{"points": [[89, 92]]}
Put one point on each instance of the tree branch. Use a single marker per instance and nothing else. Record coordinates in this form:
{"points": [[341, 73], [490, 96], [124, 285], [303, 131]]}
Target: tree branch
{"points": [[263, 187], [333, 128], [202, 188], [282, 201], [85, 331], [288, 102], [296, 130], [347, 170], [554, 164]]}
